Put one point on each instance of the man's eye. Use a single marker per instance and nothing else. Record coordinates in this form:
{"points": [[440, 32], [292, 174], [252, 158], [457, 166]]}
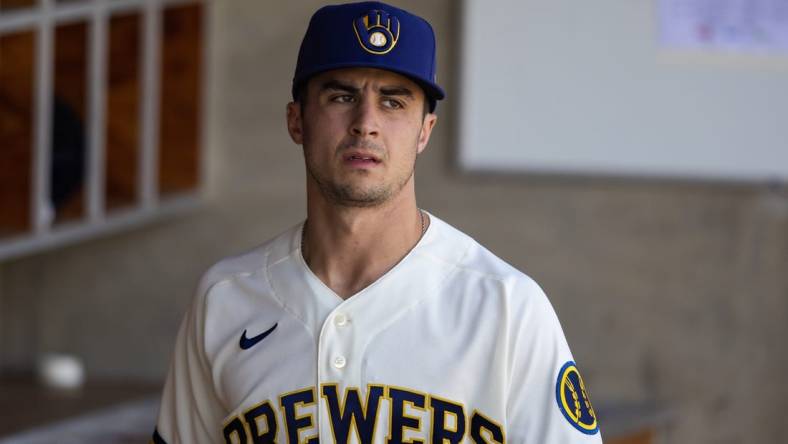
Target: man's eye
{"points": [[346, 98], [391, 103]]}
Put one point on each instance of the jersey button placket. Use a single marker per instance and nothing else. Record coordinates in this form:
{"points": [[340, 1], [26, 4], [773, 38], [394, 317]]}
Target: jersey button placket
{"points": [[334, 354], [335, 343], [340, 321]]}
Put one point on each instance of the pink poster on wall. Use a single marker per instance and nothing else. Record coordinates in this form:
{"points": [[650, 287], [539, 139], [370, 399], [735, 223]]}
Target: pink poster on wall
{"points": [[756, 26]]}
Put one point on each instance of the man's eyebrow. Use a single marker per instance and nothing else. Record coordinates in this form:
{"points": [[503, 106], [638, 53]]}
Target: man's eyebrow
{"points": [[396, 91], [336, 85]]}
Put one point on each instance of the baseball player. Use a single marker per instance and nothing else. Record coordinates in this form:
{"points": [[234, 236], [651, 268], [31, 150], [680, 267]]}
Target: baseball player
{"points": [[373, 321]]}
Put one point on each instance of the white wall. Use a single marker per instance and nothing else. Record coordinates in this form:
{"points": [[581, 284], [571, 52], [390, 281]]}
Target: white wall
{"points": [[583, 87]]}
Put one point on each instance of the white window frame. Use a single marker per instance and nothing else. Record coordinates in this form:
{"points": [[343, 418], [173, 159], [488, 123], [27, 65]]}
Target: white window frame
{"points": [[43, 19]]}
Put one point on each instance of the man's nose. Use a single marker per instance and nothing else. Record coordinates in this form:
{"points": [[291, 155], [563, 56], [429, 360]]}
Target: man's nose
{"points": [[365, 120]]}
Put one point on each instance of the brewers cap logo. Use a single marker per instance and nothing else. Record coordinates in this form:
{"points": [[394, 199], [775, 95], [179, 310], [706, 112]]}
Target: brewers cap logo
{"points": [[572, 397], [377, 31]]}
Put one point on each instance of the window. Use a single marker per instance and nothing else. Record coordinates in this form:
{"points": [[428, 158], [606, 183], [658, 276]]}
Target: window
{"points": [[100, 116]]}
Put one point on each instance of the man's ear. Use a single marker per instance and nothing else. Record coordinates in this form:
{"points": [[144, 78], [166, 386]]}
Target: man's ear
{"points": [[426, 130], [295, 123]]}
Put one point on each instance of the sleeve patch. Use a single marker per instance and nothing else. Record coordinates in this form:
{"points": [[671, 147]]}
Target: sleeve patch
{"points": [[572, 398]]}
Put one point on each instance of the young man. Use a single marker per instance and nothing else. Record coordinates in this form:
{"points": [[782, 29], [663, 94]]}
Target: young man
{"points": [[372, 321]]}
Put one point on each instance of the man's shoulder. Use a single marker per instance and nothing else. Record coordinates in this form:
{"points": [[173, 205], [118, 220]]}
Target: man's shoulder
{"points": [[248, 262], [480, 274], [472, 258]]}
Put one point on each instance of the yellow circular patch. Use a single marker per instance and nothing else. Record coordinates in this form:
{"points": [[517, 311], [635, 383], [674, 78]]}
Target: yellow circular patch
{"points": [[573, 401]]}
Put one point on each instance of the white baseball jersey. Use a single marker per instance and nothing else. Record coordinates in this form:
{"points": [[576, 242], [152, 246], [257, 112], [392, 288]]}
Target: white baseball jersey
{"points": [[451, 345]]}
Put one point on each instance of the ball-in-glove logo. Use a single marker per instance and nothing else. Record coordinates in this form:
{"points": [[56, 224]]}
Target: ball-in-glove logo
{"points": [[377, 31]]}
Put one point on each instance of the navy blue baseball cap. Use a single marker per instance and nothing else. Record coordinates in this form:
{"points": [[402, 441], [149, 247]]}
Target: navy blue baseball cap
{"points": [[372, 35]]}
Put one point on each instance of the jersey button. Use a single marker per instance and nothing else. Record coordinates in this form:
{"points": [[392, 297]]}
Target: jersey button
{"points": [[340, 361], [340, 320]]}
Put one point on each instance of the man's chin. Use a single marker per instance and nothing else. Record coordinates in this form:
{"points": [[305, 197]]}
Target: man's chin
{"points": [[354, 196]]}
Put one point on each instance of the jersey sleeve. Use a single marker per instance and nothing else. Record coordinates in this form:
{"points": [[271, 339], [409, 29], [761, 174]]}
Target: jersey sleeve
{"points": [[548, 401], [190, 411]]}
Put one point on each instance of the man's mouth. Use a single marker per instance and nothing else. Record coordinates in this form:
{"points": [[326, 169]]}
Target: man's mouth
{"points": [[361, 159]]}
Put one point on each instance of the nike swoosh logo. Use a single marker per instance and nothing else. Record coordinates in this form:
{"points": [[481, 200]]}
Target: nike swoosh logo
{"points": [[247, 343]]}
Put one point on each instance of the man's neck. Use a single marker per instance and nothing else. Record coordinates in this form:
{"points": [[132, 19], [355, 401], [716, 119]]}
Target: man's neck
{"points": [[349, 248]]}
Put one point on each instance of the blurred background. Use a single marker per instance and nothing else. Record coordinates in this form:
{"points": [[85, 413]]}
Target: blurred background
{"points": [[143, 140]]}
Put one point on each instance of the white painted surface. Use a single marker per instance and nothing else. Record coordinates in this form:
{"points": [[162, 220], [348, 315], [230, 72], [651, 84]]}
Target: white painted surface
{"points": [[567, 87]]}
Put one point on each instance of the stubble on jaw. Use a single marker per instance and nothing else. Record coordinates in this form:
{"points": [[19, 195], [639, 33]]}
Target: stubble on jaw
{"points": [[349, 194]]}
